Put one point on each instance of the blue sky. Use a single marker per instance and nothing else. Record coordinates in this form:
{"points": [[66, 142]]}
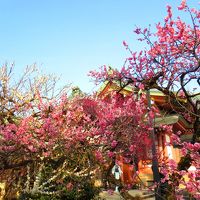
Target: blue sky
{"points": [[71, 37]]}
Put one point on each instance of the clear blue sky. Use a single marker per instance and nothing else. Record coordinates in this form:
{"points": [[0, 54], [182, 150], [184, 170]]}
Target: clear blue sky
{"points": [[72, 37]]}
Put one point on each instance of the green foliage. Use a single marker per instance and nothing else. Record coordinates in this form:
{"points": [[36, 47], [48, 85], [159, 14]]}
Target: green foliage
{"points": [[83, 191], [65, 186]]}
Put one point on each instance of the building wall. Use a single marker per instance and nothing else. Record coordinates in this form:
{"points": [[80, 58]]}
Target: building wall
{"points": [[144, 177]]}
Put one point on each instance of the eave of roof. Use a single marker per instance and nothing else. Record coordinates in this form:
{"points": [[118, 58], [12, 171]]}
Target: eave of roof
{"points": [[155, 96], [172, 119]]}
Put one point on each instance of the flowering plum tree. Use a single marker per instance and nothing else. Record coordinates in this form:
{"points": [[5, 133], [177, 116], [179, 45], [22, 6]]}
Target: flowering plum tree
{"points": [[120, 124], [170, 64], [47, 140], [43, 138]]}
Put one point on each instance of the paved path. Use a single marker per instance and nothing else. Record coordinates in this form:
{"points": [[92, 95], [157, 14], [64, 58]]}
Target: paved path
{"points": [[133, 193], [143, 193], [107, 196]]}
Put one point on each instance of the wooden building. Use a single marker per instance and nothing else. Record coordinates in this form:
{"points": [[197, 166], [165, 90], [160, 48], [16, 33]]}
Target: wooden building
{"points": [[144, 176]]}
